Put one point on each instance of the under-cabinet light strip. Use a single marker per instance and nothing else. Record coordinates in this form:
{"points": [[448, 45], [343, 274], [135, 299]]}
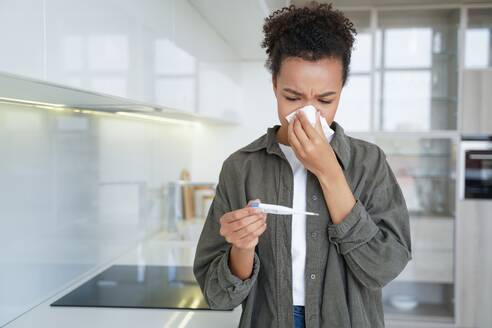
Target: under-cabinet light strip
{"points": [[29, 102], [61, 107], [157, 118]]}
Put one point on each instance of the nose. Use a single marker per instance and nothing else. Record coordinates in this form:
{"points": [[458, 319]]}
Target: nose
{"points": [[308, 103]]}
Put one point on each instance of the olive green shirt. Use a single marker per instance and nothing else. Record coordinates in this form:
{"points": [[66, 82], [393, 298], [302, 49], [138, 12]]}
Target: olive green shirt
{"points": [[347, 264]]}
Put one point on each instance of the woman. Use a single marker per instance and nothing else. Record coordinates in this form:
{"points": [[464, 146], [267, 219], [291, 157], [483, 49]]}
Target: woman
{"points": [[293, 270]]}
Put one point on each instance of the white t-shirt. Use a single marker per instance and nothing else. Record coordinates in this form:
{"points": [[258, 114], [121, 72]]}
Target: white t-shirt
{"points": [[298, 244]]}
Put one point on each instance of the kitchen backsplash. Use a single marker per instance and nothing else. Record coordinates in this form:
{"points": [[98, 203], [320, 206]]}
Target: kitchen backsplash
{"points": [[76, 191]]}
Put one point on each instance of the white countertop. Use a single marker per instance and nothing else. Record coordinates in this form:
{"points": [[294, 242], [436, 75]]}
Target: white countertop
{"points": [[159, 250], [162, 249]]}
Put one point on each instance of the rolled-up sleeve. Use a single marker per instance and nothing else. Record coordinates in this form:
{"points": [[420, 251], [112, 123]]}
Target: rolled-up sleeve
{"points": [[220, 287], [374, 237]]}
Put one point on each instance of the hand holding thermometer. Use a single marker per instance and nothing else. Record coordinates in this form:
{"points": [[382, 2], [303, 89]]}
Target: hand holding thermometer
{"points": [[278, 209]]}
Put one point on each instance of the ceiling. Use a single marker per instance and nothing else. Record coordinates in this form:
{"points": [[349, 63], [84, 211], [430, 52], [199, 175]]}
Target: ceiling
{"points": [[239, 22], [370, 3]]}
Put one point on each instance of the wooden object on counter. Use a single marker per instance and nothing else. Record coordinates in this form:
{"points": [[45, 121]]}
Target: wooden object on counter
{"points": [[187, 190], [203, 196]]}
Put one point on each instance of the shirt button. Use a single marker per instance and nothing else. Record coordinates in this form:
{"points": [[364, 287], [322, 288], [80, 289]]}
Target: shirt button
{"points": [[313, 234], [315, 197], [313, 276]]}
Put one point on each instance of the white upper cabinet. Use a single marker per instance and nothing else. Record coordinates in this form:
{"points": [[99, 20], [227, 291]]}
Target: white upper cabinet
{"points": [[208, 79], [93, 45], [22, 50], [197, 37], [159, 52]]}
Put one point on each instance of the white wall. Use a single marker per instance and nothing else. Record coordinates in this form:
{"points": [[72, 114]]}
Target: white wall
{"points": [[257, 112]]}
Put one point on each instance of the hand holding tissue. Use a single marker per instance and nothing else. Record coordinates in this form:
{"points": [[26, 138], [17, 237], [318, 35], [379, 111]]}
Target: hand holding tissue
{"points": [[310, 112], [317, 157]]}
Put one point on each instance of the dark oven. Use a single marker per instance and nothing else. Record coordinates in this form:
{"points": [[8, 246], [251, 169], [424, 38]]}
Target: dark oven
{"points": [[476, 167]]}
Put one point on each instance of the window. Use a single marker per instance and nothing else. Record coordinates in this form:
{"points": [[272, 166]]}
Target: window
{"points": [[355, 100], [416, 70], [478, 42]]}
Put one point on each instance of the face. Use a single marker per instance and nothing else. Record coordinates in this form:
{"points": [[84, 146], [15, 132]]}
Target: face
{"points": [[301, 82]]}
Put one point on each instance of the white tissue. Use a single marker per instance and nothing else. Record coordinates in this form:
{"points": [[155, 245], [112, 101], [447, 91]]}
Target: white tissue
{"points": [[310, 112]]}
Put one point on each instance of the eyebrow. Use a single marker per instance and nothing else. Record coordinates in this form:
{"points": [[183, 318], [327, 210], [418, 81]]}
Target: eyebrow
{"points": [[325, 94]]}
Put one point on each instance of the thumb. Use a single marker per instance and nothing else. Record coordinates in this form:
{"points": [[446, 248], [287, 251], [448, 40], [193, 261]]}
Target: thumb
{"points": [[253, 200]]}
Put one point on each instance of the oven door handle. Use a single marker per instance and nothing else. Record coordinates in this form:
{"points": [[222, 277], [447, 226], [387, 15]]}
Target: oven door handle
{"points": [[480, 156]]}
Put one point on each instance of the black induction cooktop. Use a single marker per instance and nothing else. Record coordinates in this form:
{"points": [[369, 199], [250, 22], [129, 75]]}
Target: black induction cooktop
{"points": [[139, 286]]}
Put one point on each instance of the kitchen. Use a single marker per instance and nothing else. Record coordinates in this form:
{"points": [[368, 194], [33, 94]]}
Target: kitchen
{"points": [[116, 117]]}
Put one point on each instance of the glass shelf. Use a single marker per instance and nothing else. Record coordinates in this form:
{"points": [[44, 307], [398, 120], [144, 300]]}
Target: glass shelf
{"points": [[425, 170], [416, 154], [426, 216], [443, 215], [434, 312], [434, 301], [431, 176]]}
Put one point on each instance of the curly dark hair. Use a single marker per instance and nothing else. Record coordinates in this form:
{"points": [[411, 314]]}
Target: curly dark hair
{"points": [[312, 32]]}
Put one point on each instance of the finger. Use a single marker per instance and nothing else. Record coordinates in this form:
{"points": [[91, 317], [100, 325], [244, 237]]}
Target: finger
{"points": [[260, 230], [300, 134], [318, 126], [308, 128], [239, 224], [247, 230], [231, 232], [254, 234], [294, 142], [237, 236], [241, 213]]}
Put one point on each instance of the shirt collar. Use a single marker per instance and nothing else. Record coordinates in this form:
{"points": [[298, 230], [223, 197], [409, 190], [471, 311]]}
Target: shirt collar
{"points": [[339, 143]]}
